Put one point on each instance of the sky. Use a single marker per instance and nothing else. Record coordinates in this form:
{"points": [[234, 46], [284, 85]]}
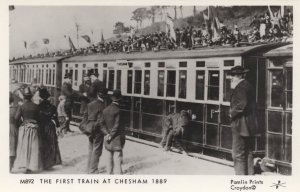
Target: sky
{"points": [[34, 23]]}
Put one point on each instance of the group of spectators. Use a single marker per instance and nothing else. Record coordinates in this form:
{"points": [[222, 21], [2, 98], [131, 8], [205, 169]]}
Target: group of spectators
{"points": [[268, 27]]}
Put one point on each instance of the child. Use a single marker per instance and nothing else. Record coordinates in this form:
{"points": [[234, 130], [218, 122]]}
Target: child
{"points": [[62, 116]]}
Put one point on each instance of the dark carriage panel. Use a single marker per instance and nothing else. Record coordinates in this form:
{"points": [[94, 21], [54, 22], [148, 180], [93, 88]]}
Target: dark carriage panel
{"points": [[194, 132], [194, 108], [275, 146], [152, 123], [125, 118], [275, 121], [226, 137], [212, 135], [288, 149], [152, 106]]}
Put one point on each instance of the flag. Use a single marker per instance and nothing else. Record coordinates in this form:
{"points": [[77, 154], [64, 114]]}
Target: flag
{"points": [[46, 41], [11, 7], [170, 27], [34, 45], [71, 44], [102, 37], [206, 18], [214, 28], [25, 44], [86, 38]]}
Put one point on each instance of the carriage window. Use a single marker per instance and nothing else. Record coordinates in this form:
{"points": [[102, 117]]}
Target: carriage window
{"points": [[104, 65], [53, 80], [161, 79], [76, 77], [42, 80], [147, 64], [228, 63], [289, 88], [226, 86], [111, 79], [47, 76], [182, 84], [182, 64], [171, 83], [147, 82], [277, 88], [129, 81], [83, 74], [119, 73], [200, 63], [104, 77], [84, 65], [213, 85], [161, 64], [200, 79], [50, 76], [138, 81]]}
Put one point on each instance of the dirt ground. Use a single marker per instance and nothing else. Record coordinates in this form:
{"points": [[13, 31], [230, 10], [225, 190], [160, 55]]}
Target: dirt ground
{"points": [[138, 159]]}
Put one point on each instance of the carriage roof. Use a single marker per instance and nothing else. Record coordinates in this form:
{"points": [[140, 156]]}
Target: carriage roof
{"points": [[284, 51], [37, 60], [178, 54]]}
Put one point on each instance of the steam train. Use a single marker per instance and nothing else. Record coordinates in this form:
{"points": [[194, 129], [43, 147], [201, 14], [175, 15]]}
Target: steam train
{"points": [[155, 84]]}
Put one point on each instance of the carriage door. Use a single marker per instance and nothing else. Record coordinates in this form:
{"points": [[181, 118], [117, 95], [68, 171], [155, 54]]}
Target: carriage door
{"points": [[212, 108], [137, 90], [170, 92]]}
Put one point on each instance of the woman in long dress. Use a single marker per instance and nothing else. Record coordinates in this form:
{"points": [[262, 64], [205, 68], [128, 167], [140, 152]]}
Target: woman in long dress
{"points": [[28, 150], [46, 115]]}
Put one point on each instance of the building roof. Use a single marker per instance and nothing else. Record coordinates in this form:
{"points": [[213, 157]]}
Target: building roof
{"points": [[284, 51]]}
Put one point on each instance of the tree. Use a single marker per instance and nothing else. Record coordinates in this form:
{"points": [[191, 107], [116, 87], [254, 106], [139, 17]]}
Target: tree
{"points": [[119, 28], [151, 13], [139, 15], [194, 11]]}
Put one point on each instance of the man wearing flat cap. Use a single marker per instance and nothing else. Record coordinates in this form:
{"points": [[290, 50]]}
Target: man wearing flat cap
{"points": [[67, 91], [243, 121]]}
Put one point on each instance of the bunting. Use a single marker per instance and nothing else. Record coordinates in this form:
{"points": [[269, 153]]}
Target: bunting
{"points": [[71, 44]]}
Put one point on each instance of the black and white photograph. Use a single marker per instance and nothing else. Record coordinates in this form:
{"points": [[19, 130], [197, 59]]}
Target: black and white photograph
{"points": [[151, 90], [157, 96]]}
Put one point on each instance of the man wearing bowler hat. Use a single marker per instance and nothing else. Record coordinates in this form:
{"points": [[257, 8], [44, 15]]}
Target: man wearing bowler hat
{"points": [[243, 121], [115, 134]]}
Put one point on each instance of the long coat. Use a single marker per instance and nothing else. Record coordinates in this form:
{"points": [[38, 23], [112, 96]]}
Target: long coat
{"points": [[110, 123], [92, 116], [243, 109]]}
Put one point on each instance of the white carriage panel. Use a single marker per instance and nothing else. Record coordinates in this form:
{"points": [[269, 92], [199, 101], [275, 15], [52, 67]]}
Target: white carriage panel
{"points": [[191, 80]]}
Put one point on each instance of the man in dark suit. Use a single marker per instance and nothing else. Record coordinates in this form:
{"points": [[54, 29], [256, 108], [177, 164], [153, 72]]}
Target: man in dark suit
{"points": [[91, 120], [67, 91], [115, 134], [243, 122], [83, 94]]}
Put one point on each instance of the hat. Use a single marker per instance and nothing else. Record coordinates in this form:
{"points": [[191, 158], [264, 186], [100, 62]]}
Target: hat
{"points": [[27, 91], [238, 70], [117, 95], [44, 94], [86, 77]]}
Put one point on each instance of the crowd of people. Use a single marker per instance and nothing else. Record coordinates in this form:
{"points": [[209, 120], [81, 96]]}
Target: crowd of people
{"points": [[36, 124], [268, 27]]}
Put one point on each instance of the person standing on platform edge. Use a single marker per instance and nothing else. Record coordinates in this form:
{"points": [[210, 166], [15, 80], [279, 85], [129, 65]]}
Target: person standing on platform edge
{"points": [[115, 134], [49, 145], [67, 91], [243, 121], [28, 150], [83, 93], [90, 126]]}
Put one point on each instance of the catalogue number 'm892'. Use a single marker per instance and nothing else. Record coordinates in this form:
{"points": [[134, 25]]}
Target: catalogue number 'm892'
{"points": [[26, 181]]}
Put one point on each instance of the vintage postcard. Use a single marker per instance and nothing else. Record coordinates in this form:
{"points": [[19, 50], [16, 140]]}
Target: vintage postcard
{"points": [[160, 95]]}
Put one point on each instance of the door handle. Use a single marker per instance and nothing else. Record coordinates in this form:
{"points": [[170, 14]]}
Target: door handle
{"points": [[212, 112]]}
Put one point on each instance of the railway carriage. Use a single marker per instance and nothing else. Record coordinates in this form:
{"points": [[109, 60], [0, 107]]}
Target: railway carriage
{"points": [[279, 108], [155, 84], [41, 71]]}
